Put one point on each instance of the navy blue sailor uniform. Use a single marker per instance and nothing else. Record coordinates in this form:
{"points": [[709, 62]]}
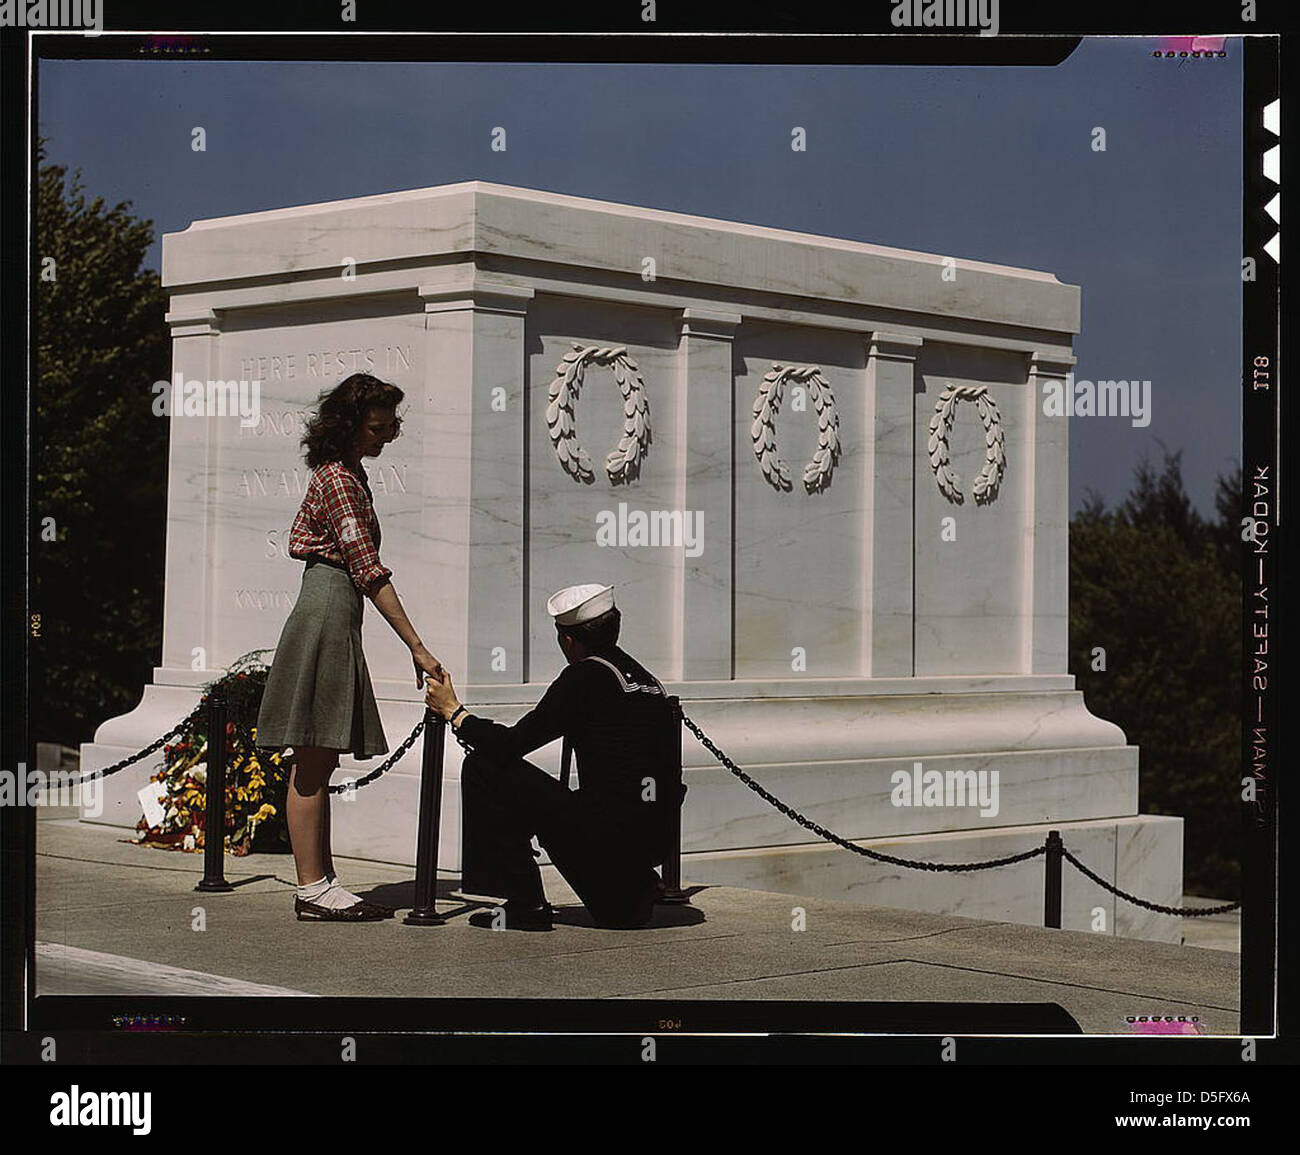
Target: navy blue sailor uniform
{"points": [[604, 837]]}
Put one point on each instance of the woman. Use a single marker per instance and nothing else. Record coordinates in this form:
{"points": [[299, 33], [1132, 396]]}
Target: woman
{"points": [[318, 696]]}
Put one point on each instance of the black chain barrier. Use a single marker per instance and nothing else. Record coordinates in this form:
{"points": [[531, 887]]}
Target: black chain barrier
{"points": [[789, 811], [386, 765], [829, 836], [247, 739], [822, 832], [157, 744], [1200, 912]]}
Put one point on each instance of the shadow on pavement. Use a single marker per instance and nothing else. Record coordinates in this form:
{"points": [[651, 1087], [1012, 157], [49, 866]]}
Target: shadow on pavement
{"points": [[401, 896]]}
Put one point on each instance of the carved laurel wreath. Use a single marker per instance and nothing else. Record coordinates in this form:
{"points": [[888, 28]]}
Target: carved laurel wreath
{"points": [[817, 473], [985, 486], [624, 463]]}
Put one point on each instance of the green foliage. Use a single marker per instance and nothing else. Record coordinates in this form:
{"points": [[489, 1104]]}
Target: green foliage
{"points": [[1159, 588], [99, 460], [241, 686]]}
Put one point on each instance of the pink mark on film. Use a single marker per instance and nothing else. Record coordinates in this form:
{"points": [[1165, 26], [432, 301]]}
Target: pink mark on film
{"points": [[1192, 43], [1167, 1025]]}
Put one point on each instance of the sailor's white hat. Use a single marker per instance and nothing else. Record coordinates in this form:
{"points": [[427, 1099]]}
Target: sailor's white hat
{"points": [[576, 604]]}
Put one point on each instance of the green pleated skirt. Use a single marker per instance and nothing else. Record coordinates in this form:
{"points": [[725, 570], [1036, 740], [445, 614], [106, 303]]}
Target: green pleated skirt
{"points": [[318, 692]]}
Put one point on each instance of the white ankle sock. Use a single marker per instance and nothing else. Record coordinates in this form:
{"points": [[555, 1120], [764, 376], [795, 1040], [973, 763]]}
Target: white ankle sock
{"points": [[333, 880], [328, 894]]}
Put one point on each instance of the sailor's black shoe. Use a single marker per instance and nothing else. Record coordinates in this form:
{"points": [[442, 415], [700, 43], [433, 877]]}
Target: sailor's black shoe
{"points": [[509, 916]]}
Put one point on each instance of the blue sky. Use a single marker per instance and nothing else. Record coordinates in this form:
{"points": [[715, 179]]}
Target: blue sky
{"points": [[991, 164]]}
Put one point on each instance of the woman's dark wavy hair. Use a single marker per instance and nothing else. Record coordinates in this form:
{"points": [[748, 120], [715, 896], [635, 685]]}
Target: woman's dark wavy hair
{"points": [[340, 413]]}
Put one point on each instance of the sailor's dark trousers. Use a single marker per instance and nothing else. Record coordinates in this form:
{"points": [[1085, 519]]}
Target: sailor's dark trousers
{"points": [[603, 856]]}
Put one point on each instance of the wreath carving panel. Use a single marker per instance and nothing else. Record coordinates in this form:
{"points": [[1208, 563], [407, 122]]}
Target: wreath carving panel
{"points": [[817, 473], [986, 483], [624, 463]]}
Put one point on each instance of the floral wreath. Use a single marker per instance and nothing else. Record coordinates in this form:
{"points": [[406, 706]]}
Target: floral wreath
{"points": [[256, 779], [817, 473], [624, 463], [985, 486]]}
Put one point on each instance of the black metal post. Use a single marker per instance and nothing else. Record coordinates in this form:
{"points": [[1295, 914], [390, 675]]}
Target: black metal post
{"points": [[214, 823], [426, 847], [1052, 880], [672, 872]]}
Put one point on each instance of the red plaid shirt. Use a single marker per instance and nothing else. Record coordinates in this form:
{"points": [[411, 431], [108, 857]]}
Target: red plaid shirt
{"points": [[337, 521]]}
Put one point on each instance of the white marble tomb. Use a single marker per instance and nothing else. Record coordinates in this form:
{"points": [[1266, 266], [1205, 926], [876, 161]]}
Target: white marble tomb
{"points": [[815, 408]]}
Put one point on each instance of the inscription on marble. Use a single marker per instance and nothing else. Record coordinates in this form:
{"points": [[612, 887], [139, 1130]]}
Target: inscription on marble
{"points": [[326, 363], [273, 482], [388, 479], [293, 482], [264, 599], [284, 422], [277, 543]]}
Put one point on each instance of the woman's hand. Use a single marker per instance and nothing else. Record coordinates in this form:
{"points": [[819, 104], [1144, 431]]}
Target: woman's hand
{"points": [[440, 695], [425, 663]]}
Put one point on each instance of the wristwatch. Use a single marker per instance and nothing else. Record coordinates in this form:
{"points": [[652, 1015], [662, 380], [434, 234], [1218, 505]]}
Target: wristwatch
{"points": [[456, 714]]}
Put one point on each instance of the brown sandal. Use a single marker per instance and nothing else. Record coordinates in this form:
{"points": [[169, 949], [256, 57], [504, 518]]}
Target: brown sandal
{"points": [[358, 912], [385, 911]]}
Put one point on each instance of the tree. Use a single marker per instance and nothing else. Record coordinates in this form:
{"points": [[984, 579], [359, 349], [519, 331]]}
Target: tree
{"points": [[1230, 505], [1158, 587], [99, 459]]}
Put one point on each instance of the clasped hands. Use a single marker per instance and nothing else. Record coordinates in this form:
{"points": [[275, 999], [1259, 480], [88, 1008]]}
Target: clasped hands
{"points": [[426, 665], [440, 694]]}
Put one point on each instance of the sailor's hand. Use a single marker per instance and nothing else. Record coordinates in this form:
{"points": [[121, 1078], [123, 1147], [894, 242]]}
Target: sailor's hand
{"points": [[440, 695]]}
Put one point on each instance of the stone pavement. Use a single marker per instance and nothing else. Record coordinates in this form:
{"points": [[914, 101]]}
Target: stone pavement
{"points": [[1214, 931], [115, 918]]}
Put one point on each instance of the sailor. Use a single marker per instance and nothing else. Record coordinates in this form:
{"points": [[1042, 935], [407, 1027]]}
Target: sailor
{"points": [[603, 837]]}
